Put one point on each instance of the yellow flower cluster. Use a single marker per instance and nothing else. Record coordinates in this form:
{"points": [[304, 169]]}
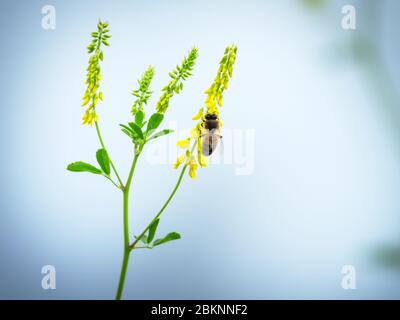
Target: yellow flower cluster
{"points": [[188, 160], [213, 100], [215, 92], [93, 76], [177, 76]]}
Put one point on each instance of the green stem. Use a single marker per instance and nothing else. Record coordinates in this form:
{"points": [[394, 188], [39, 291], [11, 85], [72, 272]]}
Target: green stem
{"points": [[127, 250], [125, 258], [132, 246], [127, 247], [104, 147], [112, 181]]}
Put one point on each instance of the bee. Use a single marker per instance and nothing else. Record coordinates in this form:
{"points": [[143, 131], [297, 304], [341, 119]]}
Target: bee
{"points": [[210, 134]]}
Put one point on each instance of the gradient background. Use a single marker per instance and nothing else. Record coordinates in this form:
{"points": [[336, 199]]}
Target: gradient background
{"points": [[324, 104]]}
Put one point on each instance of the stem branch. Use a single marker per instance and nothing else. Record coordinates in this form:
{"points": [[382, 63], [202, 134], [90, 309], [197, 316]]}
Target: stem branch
{"points": [[132, 246]]}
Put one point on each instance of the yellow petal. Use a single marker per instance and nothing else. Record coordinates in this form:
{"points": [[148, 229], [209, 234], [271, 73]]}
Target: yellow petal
{"points": [[184, 144], [226, 84], [192, 170], [198, 115], [210, 103], [195, 132], [176, 164], [179, 161], [85, 101], [202, 160], [219, 99], [84, 118]]}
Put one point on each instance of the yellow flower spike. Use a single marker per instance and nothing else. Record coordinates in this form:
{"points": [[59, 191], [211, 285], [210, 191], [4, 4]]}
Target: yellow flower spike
{"points": [[93, 73], [220, 83], [184, 143], [194, 158], [198, 115]]}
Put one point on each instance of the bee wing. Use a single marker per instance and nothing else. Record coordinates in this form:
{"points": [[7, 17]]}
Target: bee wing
{"points": [[206, 147], [209, 142], [221, 147]]}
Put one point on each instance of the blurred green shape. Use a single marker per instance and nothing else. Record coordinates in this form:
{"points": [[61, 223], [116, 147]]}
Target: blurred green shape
{"points": [[313, 4], [388, 256]]}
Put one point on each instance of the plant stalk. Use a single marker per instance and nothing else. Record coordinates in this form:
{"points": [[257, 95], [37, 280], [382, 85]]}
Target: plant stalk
{"points": [[127, 250], [129, 247]]}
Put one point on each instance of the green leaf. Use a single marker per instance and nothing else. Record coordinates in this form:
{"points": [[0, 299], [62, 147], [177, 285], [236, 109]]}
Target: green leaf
{"points": [[127, 132], [80, 166], [169, 237], [154, 121], [139, 117], [127, 128], [160, 134], [103, 160], [136, 129], [152, 230]]}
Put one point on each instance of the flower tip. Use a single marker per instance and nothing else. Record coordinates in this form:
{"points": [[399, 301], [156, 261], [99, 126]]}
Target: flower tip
{"points": [[176, 165], [184, 143], [198, 115], [192, 173]]}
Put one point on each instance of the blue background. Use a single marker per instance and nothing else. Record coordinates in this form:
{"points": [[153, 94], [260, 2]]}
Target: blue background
{"points": [[324, 104]]}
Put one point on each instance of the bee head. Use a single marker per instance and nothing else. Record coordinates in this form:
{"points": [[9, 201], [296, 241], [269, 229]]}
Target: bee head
{"points": [[211, 116]]}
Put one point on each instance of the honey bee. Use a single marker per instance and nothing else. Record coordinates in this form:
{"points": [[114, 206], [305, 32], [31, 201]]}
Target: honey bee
{"points": [[210, 134]]}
